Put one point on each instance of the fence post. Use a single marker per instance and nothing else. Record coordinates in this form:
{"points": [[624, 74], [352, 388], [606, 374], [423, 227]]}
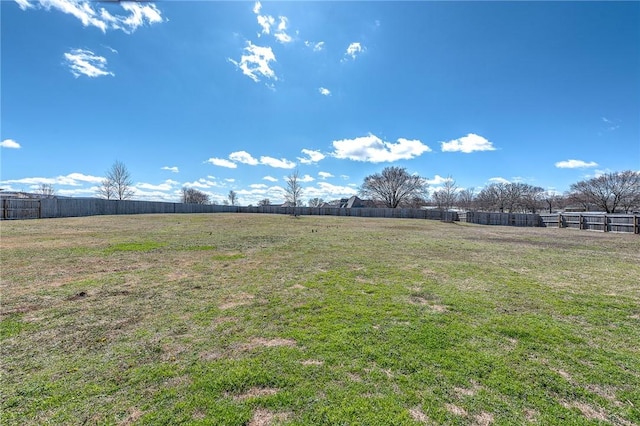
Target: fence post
{"points": [[580, 222], [606, 226], [636, 224], [4, 208]]}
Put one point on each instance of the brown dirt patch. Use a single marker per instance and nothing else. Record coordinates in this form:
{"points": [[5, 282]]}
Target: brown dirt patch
{"points": [[263, 417], [470, 391], [591, 413], [298, 287], [483, 419], [417, 415], [256, 393], [530, 415], [312, 362], [134, 415], [269, 343], [238, 300], [454, 409]]}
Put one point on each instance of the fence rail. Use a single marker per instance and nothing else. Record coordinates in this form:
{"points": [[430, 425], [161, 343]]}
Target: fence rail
{"points": [[603, 222], [21, 208]]}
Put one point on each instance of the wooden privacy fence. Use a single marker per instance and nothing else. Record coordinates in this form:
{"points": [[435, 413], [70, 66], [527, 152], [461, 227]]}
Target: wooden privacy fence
{"points": [[604, 222], [23, 208], [504, 219], [29, 208]]}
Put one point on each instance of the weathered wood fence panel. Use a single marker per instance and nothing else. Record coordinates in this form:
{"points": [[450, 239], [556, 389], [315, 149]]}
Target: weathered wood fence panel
{"points": [[20, 208], [503, 219], [603, 222], [73, 207]]}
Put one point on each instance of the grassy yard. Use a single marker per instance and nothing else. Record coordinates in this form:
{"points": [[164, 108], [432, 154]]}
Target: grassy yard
{"points": [[228, 319]]}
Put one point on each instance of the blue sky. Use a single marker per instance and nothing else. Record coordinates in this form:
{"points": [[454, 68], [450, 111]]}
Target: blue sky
{"points": [[224, 96]]}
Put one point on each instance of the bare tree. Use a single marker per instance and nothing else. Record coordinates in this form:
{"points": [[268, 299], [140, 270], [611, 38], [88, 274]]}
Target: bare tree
{"points": [[447, 196], [233, 198], [117, 183], [193, 196], [46, 190], [467, 198], [394, 186], [293, 191], [316, 202], [106, 189], [610, 191], [264, 202]]}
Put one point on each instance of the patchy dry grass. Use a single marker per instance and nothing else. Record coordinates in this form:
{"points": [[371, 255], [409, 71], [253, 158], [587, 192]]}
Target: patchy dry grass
{"points": [[257, 320]]}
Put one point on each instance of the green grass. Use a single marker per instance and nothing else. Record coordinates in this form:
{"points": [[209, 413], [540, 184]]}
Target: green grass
{"points": [[265, 319]]}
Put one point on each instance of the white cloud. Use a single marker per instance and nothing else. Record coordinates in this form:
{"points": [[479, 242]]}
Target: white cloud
{"points": [[328, 191], [312, 156], [354, 50], [243, 157], [72, 179], [24, 4], [167, 185], [135, 14], [258, 186], [203, 183], [278, 163], [306, 178], [467, 144], [267, 22], [575, 164], [10, 143], [85, 62], [499, 180], [373, 149], [281, 34], [230, 180], [84, 178], [324, 91], [221, 162], [325, 175], [317, 47], [438, 180], [173, 169], [255, 62], [270, 178]]}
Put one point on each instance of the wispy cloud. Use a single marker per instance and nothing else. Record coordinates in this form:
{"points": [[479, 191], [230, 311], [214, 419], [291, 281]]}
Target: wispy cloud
{"points": [[167, 185], [277, 163], [317, 47], [575, 164], [270, 179], [306, 178], [468, 144], [324, 91], [131, 16], [72, 179], [499, 180], [372, 149], [325, 175], [354, 50], [255, 62], [221, 162], [10, 143], [268, 22], [173, 169], [85, 62], [243, 157], [24, 4], [438, 180], [312, 156], [611, 124]]}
